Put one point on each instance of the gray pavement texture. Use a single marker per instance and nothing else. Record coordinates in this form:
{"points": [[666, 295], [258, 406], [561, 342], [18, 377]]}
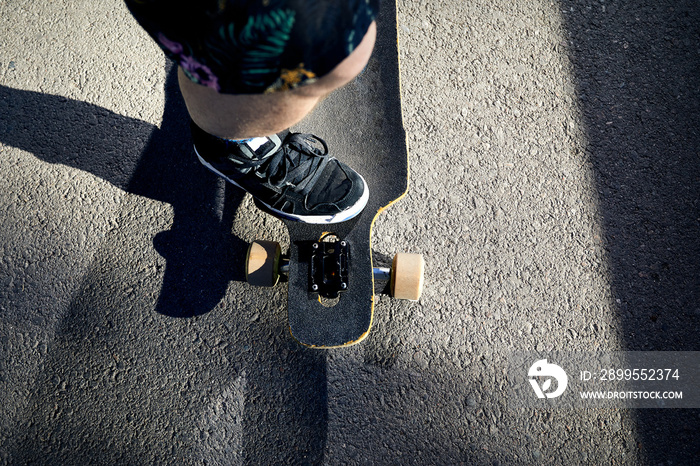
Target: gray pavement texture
{"points": [[554, 193]]}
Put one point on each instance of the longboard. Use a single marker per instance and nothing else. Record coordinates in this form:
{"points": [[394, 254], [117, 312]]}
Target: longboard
{"points": [[330, 268]]}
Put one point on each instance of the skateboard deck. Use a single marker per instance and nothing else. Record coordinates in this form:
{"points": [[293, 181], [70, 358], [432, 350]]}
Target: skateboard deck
{"points": [[330, 271], [363, 126]]}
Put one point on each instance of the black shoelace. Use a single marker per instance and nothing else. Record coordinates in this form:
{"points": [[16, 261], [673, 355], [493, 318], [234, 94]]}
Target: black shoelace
{"points": [[298, 163]]}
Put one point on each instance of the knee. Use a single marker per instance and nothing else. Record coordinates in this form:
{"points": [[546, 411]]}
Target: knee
{"points": [[346, 70]]}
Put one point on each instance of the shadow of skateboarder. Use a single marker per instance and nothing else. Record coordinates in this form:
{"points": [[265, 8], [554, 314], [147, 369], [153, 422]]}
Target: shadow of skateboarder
{"points": [[93, 139], [168, 376]]}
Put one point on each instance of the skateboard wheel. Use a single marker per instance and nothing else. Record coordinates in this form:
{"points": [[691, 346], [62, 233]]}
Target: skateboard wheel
{"points": [[407, 276], [262, 263]]}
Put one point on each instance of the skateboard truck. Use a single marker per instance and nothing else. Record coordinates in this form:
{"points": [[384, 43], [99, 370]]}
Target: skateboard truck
{"points": [[329, 267]]}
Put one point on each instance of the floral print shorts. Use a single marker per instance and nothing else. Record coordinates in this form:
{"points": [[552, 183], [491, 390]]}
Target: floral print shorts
{"points": [[255, 46]]}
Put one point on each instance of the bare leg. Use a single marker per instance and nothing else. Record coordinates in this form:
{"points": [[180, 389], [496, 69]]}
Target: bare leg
{"points": [[239, 116]]}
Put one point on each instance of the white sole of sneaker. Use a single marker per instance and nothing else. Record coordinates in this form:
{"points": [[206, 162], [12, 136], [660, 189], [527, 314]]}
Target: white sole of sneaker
{"points": [[343, 216]]}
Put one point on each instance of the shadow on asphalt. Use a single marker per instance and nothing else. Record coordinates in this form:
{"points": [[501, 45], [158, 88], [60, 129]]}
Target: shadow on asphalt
{"points": [[108, 145], [119, 385], [636, 68]]}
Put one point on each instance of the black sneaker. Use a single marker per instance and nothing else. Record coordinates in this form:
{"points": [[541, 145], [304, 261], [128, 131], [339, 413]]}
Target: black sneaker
{"points": [[295, 179]]}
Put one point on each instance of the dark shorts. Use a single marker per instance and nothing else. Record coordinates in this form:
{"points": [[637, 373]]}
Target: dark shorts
{"points": [[255, 46]]}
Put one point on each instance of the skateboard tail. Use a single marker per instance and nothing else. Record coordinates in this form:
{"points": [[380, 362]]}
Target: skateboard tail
{"points": [[340, 345]]}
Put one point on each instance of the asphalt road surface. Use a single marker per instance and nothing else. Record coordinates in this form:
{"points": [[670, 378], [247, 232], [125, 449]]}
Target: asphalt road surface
{"points": [[555, 194]]}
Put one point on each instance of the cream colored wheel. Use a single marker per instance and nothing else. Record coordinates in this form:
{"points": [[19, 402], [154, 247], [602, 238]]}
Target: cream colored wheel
{"points": [[262, 263], [407, 276]]}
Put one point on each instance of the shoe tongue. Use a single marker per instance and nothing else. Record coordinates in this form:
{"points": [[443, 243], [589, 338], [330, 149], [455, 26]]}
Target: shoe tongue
{"points": [[255, 143], [259, 148]]}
